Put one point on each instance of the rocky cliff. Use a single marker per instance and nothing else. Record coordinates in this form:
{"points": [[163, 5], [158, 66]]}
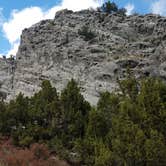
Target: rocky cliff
{"points": [[7, 72], [92, 47]]}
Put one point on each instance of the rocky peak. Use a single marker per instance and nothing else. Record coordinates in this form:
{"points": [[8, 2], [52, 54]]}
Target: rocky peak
{"points": [[90, 46]]}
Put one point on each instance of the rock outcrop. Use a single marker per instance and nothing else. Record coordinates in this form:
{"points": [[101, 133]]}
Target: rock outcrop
{"points": [[7, 72], [92, 47]]}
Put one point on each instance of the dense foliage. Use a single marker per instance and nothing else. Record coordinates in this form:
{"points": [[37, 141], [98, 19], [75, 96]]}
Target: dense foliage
{"points": [[35, 155], [126, 128]]}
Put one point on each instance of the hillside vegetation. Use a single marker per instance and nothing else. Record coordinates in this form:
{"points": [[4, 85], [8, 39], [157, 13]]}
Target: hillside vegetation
{"points": [[59, 128], [126, 128]]}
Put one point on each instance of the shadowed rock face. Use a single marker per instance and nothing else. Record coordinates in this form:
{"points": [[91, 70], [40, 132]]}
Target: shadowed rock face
{"points": [[3, 96], [55, 50]]}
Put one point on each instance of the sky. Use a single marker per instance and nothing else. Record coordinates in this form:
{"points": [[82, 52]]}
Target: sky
{"points": [[19, 14]]}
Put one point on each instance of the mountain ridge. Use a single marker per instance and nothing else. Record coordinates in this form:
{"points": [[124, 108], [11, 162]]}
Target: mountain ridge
{"points": [[94, 48]]}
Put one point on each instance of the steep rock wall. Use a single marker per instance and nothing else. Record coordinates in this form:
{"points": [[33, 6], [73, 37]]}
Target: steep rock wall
{"points": [[55, 50]]}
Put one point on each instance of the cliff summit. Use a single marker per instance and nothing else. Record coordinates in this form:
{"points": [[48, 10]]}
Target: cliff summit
{"points": [[93, 47]]}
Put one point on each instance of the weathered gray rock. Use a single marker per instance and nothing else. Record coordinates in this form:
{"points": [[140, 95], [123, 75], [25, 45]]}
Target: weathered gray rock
{"points": [[7, 70], [54, 50]]}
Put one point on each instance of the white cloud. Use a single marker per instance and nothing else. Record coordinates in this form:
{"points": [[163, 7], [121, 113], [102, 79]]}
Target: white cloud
{"points": [[159, 7], [76, 5], [19, 20], [1, 55], [14, 49], [130, 8], [27, 17]]}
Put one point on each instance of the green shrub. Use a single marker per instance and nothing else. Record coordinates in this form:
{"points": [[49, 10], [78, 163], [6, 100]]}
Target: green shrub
{"points": [[125, 128], [111, 7], [86, 33]]}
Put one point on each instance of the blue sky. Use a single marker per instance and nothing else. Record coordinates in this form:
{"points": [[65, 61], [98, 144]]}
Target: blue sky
{"points": [[19, 14]]}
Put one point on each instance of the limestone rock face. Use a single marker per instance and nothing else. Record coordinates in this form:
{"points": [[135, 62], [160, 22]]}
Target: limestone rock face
{"points": [[7, 70], [56, 50]]}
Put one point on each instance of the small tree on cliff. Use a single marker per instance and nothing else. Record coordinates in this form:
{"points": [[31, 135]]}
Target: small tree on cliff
{"points": [[111, 7]]}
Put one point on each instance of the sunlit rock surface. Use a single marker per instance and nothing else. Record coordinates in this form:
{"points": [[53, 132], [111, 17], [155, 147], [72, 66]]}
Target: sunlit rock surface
{"points": [[54, 50]]}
